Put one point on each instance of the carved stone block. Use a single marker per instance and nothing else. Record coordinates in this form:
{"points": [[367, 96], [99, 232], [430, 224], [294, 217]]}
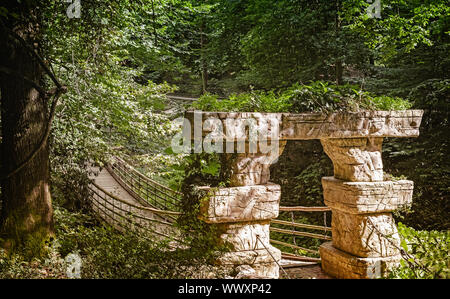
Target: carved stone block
{"points": [[351, 124], [355, 159], [240, 204], [246, 236], [340, 264], [366, 197], [368, 235], [249, 169]]}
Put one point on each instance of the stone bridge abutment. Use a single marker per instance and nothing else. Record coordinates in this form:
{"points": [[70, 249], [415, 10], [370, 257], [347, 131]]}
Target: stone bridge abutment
{"points": [[365, 241]]}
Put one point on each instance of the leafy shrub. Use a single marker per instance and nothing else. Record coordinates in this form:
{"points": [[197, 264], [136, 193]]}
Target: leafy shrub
{"points": [[201, 170], [425, 158], [105, 253], [324, 97], [18, 266], [425, 254], [318, 96], [254, 101]]}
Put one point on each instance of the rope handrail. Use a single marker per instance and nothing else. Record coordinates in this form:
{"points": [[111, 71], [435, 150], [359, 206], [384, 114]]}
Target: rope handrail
{"points": [[146, 178], [297, 257], [128, 219], [156, 198], [301, 225], [157, 211], [297, 233], [304, 209], [133, 214], [292, 232], [293, 246], [142, 197], [147, 191], [274, 259]]}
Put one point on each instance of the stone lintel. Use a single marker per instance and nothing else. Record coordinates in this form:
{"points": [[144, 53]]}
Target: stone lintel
{"points": [[366, 197], [234, 126], [306, 126], [351, 124], [240, 204], [342, 265]]}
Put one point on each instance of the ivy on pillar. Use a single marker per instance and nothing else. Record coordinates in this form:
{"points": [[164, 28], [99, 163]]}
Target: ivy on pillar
{"points": [[243, 210]]}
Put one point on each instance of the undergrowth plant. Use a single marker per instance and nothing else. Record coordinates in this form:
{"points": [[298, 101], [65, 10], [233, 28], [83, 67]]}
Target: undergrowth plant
{"points": [[202, 170], [318, 96], [425, 254], [106, 253]]}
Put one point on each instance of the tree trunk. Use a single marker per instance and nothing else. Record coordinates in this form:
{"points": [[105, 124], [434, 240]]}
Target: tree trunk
{"points": [[26, 219], [339, 72]]}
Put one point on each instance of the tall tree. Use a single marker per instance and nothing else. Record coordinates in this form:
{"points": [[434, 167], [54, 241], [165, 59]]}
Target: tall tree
{"points": [[28, 104], [26, 217]]}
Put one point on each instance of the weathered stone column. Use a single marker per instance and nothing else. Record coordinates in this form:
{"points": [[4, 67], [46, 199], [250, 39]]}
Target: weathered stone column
{"points": [[365, 238], [244, 210]]}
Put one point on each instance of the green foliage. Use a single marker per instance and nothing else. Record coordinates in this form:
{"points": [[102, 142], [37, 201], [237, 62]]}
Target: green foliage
{"points": [[109, 105], [424, 159], [18, 267], [404, 26], [117, 57], [319, 96], [325, 97], [309, 183], [425, 254], [254, 101], [105, 253], [205, 169], [201, 170]]}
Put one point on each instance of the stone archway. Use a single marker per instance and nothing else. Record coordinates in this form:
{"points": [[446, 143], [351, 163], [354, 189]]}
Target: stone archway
{"points": [[365, 237]]}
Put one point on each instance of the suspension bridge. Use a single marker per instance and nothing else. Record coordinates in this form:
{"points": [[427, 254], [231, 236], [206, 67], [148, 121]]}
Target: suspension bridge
{"points": [[126, 199]]}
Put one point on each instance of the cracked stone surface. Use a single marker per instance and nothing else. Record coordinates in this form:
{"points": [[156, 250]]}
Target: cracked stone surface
{"points": [[351, 124], [248, 169], [234, 126], [251, 257], [241, 204], [367, 235], [260, 260], [243, 216], [340, 264], [365, 238], [244, 236], [366, 197], [304, 126], [355, 159]]}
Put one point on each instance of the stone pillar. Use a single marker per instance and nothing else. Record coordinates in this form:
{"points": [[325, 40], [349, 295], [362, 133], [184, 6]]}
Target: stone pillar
{"points": [[365, 239], [243, 210], [243, 213]]}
